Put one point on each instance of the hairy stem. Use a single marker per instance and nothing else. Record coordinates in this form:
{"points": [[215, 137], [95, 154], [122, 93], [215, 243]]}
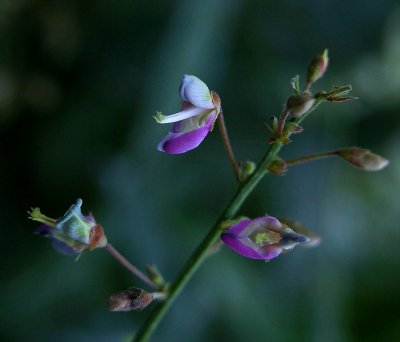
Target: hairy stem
{"points": [[124, 262], [201, 252], [227, 144]]}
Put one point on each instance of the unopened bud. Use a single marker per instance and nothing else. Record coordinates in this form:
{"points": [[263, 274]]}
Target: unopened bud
{"points": [[130, 299], [297, 105], [278, 167], [155, 276], [363, 158], [246, 168], [317, 67]]}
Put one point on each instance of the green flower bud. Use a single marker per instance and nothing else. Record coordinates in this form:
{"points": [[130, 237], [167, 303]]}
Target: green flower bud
{"points": [[317, 67]]}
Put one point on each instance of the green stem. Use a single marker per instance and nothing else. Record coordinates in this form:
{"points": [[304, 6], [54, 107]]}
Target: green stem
{"points": [[201, 252]]}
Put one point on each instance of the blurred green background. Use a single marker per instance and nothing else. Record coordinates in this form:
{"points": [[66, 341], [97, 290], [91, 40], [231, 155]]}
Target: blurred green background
{"points": [[79, 83]]}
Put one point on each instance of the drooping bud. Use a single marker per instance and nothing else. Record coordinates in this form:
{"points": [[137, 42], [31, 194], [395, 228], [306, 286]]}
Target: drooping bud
{"points": [[317, 67], [131, 299], [363, 159], [297, 105]]}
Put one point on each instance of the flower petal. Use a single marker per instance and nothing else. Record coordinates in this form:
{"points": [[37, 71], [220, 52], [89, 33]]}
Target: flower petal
{"points": [[195, 91], [176, 143], [242, 228], [74, 225], [63, 248], [267, 252], [182, 115], [44, 230]]}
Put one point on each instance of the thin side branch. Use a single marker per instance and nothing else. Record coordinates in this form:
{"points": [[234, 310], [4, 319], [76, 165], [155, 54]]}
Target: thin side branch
{"points": [[310, 157], [124, 262], [227, 144]]}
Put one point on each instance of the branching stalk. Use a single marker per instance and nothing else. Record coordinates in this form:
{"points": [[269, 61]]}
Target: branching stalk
{"points": [[202, 251]]}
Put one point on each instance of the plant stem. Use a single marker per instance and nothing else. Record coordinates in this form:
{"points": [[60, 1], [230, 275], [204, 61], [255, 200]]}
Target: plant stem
{"points": [[227, 144], [124, 262], [310, 157], [201, 252]]}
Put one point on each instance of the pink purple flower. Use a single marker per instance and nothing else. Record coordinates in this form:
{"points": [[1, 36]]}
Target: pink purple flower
{"points": [[199, 110], [263, 238]]}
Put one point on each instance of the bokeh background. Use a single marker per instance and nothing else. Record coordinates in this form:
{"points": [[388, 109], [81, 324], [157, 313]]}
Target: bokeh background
{"points": [[79, 83]]}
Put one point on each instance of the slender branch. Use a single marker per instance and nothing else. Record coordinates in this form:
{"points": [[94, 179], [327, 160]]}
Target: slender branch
{"points": [[227, 144], [124, 262], [201, 252], [310, 157]]}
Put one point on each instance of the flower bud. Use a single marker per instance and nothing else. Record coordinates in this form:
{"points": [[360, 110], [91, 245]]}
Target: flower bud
{"points": [[131, 299], [155, 276], [263, 238], [246, 168], [297, 105], [278, 167], [363, 158], [317, 67]]}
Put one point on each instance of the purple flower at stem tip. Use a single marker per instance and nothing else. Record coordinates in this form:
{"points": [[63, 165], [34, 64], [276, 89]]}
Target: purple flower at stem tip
{"points": [[199, 110], [263, 238]]}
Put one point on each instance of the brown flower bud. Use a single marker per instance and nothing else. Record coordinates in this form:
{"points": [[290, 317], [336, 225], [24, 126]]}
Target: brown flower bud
{"points": [[363, 158], [297, 105], [130, 299], [278, 167]]}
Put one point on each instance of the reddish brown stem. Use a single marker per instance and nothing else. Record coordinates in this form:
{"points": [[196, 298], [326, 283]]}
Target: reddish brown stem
{"points": [[310, 157], [227, 144], [124, 262]]}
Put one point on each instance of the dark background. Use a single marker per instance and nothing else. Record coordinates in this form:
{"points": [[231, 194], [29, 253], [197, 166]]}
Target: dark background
{"points": [[79, 83]]}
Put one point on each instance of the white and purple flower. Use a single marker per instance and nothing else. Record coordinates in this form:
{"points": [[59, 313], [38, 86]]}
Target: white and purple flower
{"points": [[263, 238], [73, 233], [199, 110]]}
